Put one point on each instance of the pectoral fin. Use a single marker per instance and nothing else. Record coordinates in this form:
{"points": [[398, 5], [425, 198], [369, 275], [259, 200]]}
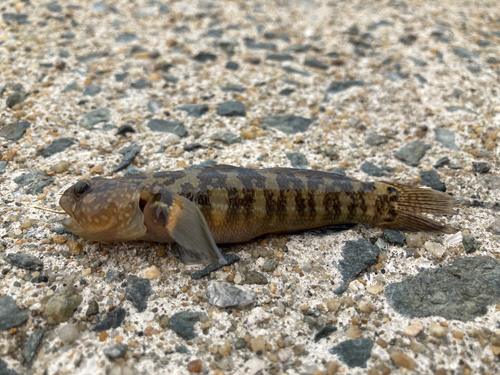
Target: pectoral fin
{"points": [[184, 223]]}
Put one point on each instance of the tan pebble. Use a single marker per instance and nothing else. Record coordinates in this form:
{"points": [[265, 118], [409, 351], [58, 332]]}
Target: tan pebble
{"points": [[98, 169], [160, 252], [375, 289], [381, 342], [103, 336], [495, 350], [225, 349], [119, 339], [247, 134], [278, 254], [272, 288], [258, 343], [489, 145], [435, 249], [182, 164], [148, 332], [436, 330], [365, 306], [303, 307], [416, 347], [151, 273], [273, 357], [59, 239], [353, 332], [61, 167], [194, 366], [133, 344], [414, 329], [414, 240], [458, 335], [402, 360], [332, 368], [86, 271], [35, 274], [492, 134], [74, 247], [155, 76], [333, 304], [12, 331], [237, 278]]}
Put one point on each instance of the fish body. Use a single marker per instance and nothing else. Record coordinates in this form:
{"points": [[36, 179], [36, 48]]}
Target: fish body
{"points": [[226, 204]]}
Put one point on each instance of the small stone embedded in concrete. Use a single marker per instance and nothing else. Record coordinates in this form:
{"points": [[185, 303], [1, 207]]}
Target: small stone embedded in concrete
{"points": [[254, 277], [95, 117], [280, 57], [460, 291], [93, 308], [414, 329], [481, 167], [226, 137], [435, 249], [183, 323], [138, 291], [233, 88], [129, 153], [394, 237], [376, 140], [289, 124], [297, 159], [315, 63], [408, 39], [442, 162], [431, 179], [91, 90], [446, 137], [340, 86], [355, 352], [356, 257], [204, 57], [324, 332], [16, 98], [412, 153], [372, 170], [116, 351], [214, 266], [31, 347], [113, 320], [164, 126], [124, 130], [470, 244], [195, 110], [232, 108], [62, 305], [120, 77], [437, 330], [25, 261], [58, 145], [231, 65], [126, 38], [4, 368], [34, 182], [70, 87], [14, 132], [68, 334], [10, 315], [252, 44], [141, 84], [223, 294], [402, 359], [465, 53]]}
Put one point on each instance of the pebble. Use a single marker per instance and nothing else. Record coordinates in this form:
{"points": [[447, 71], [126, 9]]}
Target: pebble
{"points": [[442, 162], [394, 237], [481, 167], [195, 366], [412, 153], [91, 90], [151, 273], [120, 77], [16, 98], [31, 347], [435, 249], [24, 261], [354, 352], [414, 329], [124, 130], [61, 166], [324, 332], [183, 323], [281, 57], [470, 244], [95, 117], [315, 63], [116, 351], [62, 305], [284, 354], [465, 53], [365, 306], [231, 65], [214, 266], [431, 179], [126, 38], [58, 145], [288, 124], [10, 315], [376, 140], [68, 334], [113, 320], [408, 39], [254, 277], [340, 86], [141, 84], [258, 315], [226, 137], [222, 294], [164, 126], [446, 137], [401, 359], [93, 308], [297, 159], [138, 291], [252, 44], [14, 132], [231, 108], [437, 330], [353, 332], [129, 153], [372, 170], [204, 57], [258, 343], [195, 110]]}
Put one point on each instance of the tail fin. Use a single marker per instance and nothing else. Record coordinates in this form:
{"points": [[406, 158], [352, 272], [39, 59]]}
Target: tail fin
{"points": [[412, 201]]}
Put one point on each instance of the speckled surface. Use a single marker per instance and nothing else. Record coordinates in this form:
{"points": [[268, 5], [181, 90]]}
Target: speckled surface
{"points": [[367, 80]]}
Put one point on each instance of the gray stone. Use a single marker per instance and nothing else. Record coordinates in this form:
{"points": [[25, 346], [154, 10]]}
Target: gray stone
{"points": [[412, 153], [254, 277], [340, 86], [226, 137], [214, 266], [129, 153], [10, 315], [465, 53], [324, 332], [164, 126], [3, 165], [15, 131], [289, 124], [62, 305], [355, 352], [113, 276], [154, 105], [204, 57], [460, 291], [289, 69], [120, 77], [141, 84], [4, 368], [91, 90], [116, 351], [446, 138], [356, 257], [223, 294], [138, 291], [58, 145], [481, 167], [70, 87], [394, 237], [113, 320], [279, 57], [95, 117], [372, 170], [32, 346], [269, 265], [339, 171], [470, 244], [196, 110], [24, 261], [297, 159], [16, 98], [454, 108], [124, 130], [93, 308], [408, 39], [442, 162], [183, 323], [231, 65], [376, 140], [416, 61], [34, 182], [231, 108], [233, 88], [252, 44], [312, 62], [68, 334], [431, 179], [126, 38], [286, 92]]}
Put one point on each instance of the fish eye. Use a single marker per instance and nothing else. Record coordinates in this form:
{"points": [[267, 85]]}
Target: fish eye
{"points": [[81, 188]]}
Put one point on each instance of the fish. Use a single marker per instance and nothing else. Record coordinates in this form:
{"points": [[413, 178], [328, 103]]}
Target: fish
{"points": [[201, 208]]}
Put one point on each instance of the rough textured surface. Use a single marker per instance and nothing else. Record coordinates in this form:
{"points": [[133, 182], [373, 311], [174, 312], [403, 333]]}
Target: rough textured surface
{"points": [[138, 291], [354, 352], [25, 261], [183, 323]]}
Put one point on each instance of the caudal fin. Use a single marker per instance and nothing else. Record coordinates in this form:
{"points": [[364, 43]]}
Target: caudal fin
{"points": [[412, 201]]}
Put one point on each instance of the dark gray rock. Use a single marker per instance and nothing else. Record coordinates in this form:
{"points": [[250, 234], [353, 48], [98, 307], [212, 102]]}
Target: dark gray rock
{"points": [[73, 86], [446, 138], [32, 346], [40, 279], [289, 69], [58, 145], [183, 323], [481, 167], [24, 261], [231, 108], [470, 244], [460, 291], [138, 291], [442, 34], [431, 179], [34, 182], [381, 23], [15, 131], [204, 57], [394, 237], [120, 77], [231, 65], [417, 62], [164, 126], [62, 305], [252, 44], [442, 162], [69, 35], [53, 6], [340, 86], [420, 78], [93, 308], [372, 170], [171, 79], [376, 140], [233, 88], [214, 266], [270, 36], [215, 33], [124, 130], [141, 84], [113, 320], [126, 38], [129, 153], [16, 98], [91, 90], [15, 17], [254, 277], [313, 62], [223, 294], [226, 137], [192, 146], [10, 315], [455, 108], [297, 159], [356, 257], [324, 332], [279, 57], [3, 165], [465, 53], [116, 351], [408, 39], [412, 153], [95, 117], [355, 352], [92, 56], [289, 124], [473, 68], [339, 171], [4, 368], [286, 92], [196, 110]]}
